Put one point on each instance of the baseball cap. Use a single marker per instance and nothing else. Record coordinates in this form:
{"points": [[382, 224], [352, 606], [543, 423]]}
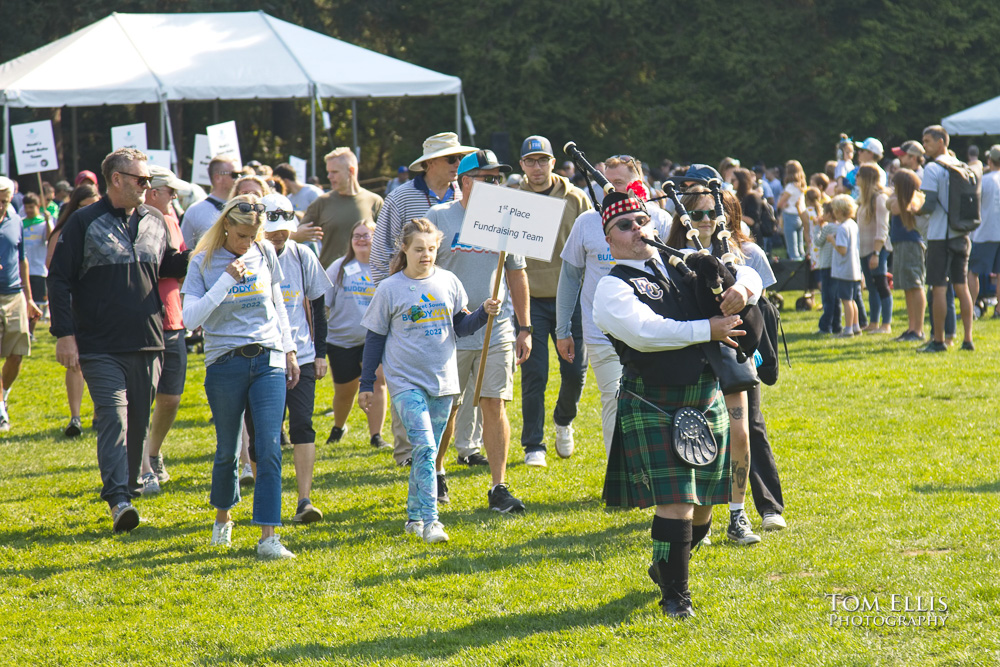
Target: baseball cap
{"points": [[697, 173], [481, 159], [278, 203], [994, 153], [402, 170], [536, 144], [161, 176], [910, 147], [872, 145], [85, 175]]}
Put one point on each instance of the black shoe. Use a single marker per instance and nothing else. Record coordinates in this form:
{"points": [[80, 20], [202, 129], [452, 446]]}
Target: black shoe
{"points": [[740, 530], [378, 442], [75, 428], [933, 346], [678, 606], [910, 337], [502, 501], [336, 433], [968, 346], [124, 517], [408, 461], [476, 459], [443, 489]]}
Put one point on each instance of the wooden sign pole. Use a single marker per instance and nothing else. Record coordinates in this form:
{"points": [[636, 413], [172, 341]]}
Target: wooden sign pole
{"points": [[489, 331]]}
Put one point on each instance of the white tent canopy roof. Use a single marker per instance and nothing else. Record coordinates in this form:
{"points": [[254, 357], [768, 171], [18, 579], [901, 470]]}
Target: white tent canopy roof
{"points": [[983, 118], [147, 58]]}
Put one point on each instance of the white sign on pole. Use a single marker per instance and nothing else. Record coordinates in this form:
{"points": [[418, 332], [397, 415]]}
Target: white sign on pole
{"points": [[34, 147], [507, 220], [202, 156], [159, 158], [129, 136], [299, 165], [222, 138]]}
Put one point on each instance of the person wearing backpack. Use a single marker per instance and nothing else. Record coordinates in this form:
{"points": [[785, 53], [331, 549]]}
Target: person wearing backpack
{"points": [[947, 248]]}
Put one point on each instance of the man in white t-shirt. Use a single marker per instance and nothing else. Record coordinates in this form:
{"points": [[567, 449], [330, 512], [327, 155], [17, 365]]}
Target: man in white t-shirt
{"points": [[223, 171], [586, 259], [985, 256], [947, 251]]}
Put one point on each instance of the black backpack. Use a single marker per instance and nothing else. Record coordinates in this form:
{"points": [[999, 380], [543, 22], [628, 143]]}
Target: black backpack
{"points": [[965, 189], [768, 347]]}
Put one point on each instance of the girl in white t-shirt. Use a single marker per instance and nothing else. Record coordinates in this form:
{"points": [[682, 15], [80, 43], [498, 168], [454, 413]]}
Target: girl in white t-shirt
{"points": [[791, 204], [412, 323]]}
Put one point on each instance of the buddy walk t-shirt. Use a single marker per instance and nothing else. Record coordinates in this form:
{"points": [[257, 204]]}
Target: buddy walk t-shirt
{"points": [[302, 275], [416, 316]]}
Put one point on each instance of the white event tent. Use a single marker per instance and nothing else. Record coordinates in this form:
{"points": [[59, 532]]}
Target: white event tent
{"points": [[983, 118], [163, 58]]}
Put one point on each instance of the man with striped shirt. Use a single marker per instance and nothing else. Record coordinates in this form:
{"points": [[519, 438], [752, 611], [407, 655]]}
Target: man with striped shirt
{"points": [[432, 182]]}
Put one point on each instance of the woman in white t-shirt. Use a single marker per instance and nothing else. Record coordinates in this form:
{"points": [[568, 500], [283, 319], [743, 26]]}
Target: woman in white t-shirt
{"points": [[348, 299], [233, 291], [791, 204]]}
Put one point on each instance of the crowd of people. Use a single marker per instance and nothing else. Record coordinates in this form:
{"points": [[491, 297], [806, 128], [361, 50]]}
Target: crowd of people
{"points": [[282, 283]]}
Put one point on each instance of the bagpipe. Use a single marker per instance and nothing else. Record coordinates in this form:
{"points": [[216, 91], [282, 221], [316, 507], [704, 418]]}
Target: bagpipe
{"points": [[708, 276]]}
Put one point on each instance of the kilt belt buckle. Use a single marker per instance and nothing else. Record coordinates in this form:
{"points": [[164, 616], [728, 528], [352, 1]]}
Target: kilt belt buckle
{"points": [[250, 351]]}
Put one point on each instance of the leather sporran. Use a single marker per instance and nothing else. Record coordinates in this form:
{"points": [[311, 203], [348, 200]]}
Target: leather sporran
{"points": [[693, 442], [733, 376]]}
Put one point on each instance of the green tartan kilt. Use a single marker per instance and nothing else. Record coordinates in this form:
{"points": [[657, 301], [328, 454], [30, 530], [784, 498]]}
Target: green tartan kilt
{"points": [[643, 470]]}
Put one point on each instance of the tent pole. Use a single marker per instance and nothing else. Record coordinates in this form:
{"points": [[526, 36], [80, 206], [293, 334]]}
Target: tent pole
{"points": [[6, 140], [165, 122], [312, 128], [458, 116], [76, 143], [354, 129]]}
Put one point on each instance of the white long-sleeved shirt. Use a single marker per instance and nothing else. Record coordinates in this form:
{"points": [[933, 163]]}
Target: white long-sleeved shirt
{"points": [[620, 314]]}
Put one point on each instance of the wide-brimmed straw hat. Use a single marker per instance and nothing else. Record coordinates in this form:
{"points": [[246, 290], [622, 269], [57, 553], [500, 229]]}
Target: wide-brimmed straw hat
{"points": [[440, 145]]}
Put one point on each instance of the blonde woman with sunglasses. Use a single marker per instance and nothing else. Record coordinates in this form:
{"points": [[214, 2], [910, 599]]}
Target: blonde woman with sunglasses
{"points": [[233, 291]]}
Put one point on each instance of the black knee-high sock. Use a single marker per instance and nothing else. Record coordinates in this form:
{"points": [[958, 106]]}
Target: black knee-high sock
{"points": [[672, 552]]}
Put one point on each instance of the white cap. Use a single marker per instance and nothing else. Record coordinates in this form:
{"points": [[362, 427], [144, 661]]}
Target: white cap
{"points": [[278, 202]]}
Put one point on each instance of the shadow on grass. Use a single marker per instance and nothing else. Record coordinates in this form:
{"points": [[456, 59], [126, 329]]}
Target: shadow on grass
{"points": [[445, 643], [985, 487]]}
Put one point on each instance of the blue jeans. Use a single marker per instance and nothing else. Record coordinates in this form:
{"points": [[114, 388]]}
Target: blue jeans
{"points": [[879, 294], [950, 323], [230, 383], [424, 418], [794, 239], [829, 322], [535, 375]]}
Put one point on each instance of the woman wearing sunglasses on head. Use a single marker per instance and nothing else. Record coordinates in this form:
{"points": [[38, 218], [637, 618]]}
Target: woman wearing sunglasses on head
{"points": [[233, 291]]}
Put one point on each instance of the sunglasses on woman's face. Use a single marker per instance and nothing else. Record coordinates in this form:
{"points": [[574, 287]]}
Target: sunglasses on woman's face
{"points": [[700, 215], [247, 208], [272, 216]]}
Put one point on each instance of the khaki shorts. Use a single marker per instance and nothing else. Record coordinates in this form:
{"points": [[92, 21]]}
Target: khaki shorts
{"points": [[14, 326], [498, 380]]}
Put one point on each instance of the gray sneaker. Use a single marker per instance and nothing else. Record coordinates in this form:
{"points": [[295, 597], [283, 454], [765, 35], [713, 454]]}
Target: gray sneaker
{"points": [[156, 463], [150, 485]]}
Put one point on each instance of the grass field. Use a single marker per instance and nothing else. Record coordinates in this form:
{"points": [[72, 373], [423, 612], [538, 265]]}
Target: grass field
{"points": [[889, 461]]}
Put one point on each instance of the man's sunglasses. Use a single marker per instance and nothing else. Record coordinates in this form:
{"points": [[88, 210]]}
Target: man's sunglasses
{"points": [[626, 225], [700, 215], [493, 180], [272, 216], [247, 208], [141, 181]]}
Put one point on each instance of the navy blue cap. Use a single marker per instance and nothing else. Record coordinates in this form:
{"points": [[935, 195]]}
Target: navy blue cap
{"points": [[536, 144], [699, 173]]}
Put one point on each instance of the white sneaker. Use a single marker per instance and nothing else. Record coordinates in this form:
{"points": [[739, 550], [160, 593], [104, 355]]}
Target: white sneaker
{"points": [[564, 440], [222, 534], [536, 459], [414, 528], [272, 549], [773, 522], [434, 532], [246, 476]]}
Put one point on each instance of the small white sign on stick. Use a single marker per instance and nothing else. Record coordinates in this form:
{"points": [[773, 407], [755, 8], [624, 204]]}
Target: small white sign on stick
{"points": [[202, 156], [159, 158], [129, 136], [508, 220], [222, 138], [34, 147], [299, 165]]}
